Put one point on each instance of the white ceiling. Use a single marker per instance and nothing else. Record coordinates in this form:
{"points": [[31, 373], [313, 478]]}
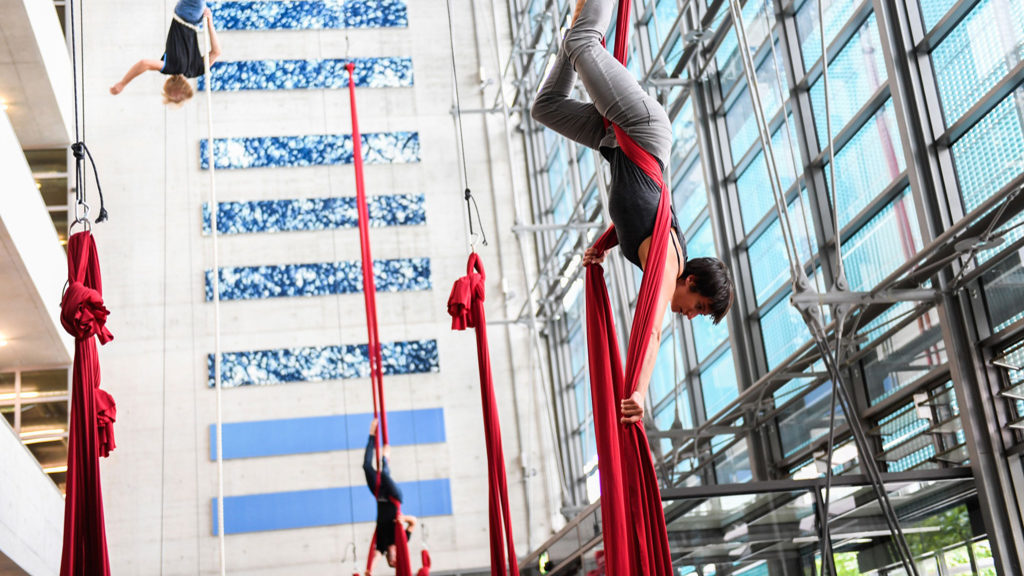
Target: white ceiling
{"points": [[35, 73]]}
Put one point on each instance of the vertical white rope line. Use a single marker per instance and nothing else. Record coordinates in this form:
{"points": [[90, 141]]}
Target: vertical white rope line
{"points": [[793, 154], [750, 72], [214, 209], [337, 298], [840, 270]]}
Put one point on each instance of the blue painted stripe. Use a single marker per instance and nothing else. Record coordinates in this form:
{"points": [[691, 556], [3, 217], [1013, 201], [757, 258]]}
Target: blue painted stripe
{"points": [[314, 214], [326, 507], [310, 150], [309, 14], [308, 74], [324, 433], [318, 279], [318, 363]]}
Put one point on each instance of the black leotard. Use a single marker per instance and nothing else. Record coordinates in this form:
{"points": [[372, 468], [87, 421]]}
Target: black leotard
{"points": [[633, 203]]}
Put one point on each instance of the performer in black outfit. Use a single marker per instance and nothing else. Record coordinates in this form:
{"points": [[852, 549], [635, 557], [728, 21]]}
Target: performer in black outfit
{"points": [[387, 512], [182, 57]]}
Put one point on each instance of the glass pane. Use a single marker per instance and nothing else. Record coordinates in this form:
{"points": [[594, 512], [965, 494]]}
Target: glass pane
{"points": [[585, 161], [684, 132], [1003, 287], [977, 54], [888, 240], [933, 10], [836, 14], [753, 187], [53, 160], [783, 331], [6, 386], [44, 383], [806, 420], [905, 443], [868, 163], [718, 383], [667, 369], [689, 195], [733, 467], [854, 76], [992, 153], [983, 557], [769, 266], [581, 393], [904, 357]]}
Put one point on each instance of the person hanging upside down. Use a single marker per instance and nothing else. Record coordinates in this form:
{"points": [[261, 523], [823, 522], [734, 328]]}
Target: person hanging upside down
{"points": [[387, 516], [182, 57], [698, 286]]}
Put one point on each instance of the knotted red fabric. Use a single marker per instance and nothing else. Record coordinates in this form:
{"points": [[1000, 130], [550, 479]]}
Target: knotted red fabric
{"points": [[92, 414], [635, 536], [466, 306], [424, 563], [403, 566]]}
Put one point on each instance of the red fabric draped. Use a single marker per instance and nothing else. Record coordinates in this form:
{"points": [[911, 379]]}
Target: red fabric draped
{"points": [[92, 414], [466, 307], [635, 536], [403, 566]]}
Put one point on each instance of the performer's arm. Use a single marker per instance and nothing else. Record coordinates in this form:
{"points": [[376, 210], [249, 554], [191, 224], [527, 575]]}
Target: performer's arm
{"points": [[371, 474], [410, 522], [136, 69], [632, 408], [214, 41]]}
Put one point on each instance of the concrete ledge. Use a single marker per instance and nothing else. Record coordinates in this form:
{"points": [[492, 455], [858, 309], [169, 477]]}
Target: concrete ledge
{"points": [[31, 510]]}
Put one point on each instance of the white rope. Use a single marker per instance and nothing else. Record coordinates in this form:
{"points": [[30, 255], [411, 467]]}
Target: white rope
{"points": [[786, 228], [840, 271], [214, 209]]}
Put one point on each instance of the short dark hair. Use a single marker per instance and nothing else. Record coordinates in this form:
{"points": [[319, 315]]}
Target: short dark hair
{"points": [[711, 279]]}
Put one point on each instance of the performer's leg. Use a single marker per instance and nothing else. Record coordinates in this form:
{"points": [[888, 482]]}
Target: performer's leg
{"points": [[576, 120], [615, 92]]}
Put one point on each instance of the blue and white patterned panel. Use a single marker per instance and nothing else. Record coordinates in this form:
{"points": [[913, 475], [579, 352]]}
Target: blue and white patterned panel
{"points": [[311, 150], [318, 279], [303, 74], [309, 14], [314, 214], [318, 363]]}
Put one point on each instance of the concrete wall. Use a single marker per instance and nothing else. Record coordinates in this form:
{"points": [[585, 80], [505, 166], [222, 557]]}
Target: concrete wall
{"points": [[159, 483], [31, 510]]}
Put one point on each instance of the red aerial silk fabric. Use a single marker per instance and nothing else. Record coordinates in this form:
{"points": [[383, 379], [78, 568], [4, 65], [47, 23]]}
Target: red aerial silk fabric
{"points": [[635, 536], [92, 414], [466, 306], [402, 561], [424, 564]]}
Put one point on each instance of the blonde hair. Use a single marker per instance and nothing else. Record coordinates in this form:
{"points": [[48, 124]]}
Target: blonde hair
{"points": [[177, 89]]}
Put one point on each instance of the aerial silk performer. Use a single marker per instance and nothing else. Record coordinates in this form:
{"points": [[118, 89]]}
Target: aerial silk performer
{"points": [[393, 528], [91, 432], [633, 133]]}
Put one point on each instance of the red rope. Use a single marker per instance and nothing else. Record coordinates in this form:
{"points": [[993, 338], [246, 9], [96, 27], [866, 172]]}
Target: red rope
{"points": [[373, 352], [635, 535], [466, 306]]}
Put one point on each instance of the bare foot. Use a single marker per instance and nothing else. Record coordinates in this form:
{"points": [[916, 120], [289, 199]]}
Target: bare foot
{"points": [[116, 88]]}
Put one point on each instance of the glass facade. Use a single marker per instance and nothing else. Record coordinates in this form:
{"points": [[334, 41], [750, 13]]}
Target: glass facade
{"points": [[926, 106]]}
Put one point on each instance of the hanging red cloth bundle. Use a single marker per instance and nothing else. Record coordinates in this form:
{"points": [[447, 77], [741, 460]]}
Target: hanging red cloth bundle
{"points": [[403, 566], [424, 563], [466, 307], [635, 536], [92, 414]]}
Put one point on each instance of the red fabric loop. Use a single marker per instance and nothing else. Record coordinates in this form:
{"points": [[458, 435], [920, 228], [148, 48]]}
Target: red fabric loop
{"points": [[424, 564], [90, 434], [466, 304]]}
